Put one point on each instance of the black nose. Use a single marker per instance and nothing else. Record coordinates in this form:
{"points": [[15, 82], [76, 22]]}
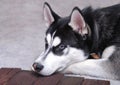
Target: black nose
{"points": [[37, 67]]}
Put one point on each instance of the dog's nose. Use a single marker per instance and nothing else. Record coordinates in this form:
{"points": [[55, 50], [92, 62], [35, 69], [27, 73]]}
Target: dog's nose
{"points": [[37, 67]]}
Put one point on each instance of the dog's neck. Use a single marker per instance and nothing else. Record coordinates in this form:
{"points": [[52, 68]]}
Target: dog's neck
{"points": [[94, 39]]}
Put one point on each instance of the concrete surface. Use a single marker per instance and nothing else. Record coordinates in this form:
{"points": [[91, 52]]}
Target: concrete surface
{"points": [[22, 27]]}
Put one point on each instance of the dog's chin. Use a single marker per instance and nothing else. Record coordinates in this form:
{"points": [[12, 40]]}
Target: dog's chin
{"points": [[46, 73], [50, 72]]}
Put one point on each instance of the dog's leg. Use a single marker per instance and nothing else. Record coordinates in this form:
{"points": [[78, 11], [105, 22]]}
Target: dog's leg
{"points": [[102, 68], [94, 68]]}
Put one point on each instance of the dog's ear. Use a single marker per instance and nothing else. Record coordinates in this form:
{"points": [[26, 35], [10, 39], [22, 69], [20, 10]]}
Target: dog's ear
{"points": [[49, 15], [77, 22]]}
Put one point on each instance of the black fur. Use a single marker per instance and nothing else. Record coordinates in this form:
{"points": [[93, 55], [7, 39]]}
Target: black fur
{"points": [[104, 24]]}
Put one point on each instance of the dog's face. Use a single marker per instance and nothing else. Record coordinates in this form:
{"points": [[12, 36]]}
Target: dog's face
{"points": [[65, 42]]}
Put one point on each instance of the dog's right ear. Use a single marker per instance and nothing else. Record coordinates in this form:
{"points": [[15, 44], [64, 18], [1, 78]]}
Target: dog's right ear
{"points": [[49, 15]]}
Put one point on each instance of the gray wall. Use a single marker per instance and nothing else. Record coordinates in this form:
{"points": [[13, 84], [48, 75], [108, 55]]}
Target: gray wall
{"points": [[22, 27]]}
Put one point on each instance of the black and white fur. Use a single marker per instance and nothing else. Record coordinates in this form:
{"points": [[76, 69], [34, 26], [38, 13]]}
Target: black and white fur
{"points": [[71, 40]]}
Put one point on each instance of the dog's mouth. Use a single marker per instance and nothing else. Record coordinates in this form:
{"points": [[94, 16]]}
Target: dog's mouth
{"points": [[60, 69]]}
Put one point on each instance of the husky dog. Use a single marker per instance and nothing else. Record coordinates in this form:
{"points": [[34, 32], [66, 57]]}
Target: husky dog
{"points": [[71, 40]]}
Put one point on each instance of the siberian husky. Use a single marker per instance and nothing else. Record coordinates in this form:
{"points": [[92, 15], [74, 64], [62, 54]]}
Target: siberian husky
{"points": [[71, 40]]}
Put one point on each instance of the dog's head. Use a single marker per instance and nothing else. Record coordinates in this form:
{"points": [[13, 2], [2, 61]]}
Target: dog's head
{"points": [[65, 41]]}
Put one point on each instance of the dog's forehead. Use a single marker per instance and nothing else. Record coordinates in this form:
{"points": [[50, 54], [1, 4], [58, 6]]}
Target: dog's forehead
{"points": [[52, 39], [60, 32]]}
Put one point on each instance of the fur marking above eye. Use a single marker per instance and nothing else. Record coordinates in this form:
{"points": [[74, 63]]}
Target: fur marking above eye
{"points": [[48, 38], [56, 41]]}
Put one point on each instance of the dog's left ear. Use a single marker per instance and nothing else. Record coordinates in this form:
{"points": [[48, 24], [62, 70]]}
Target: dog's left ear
{"points": [[77, 22]]}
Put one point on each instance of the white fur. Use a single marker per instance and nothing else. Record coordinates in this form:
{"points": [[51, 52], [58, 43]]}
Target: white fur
{"points": [[108, 52], [53, 63], [93, 68], [74, 61], [56, 41], [49, 38]]}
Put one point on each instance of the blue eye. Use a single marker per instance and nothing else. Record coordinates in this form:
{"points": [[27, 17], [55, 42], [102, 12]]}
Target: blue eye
{"points": [[62, 47]]}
